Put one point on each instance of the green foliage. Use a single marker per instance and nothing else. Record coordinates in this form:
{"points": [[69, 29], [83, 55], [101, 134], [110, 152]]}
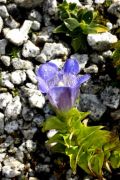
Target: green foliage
{"points": [[91, 148], [77, 23]]}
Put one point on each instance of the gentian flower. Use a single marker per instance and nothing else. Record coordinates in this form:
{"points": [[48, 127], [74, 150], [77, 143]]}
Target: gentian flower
{"points": [[61, 87]]}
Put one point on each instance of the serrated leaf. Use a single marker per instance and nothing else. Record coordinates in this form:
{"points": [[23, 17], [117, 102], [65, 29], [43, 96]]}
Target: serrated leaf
{"points": [[71, 23]]}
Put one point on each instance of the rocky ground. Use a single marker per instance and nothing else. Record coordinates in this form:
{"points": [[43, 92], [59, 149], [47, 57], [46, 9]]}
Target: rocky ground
{"points": [[26, 41]]}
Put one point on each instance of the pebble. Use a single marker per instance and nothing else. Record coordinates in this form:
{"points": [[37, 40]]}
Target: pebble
{"points": [[114, 9], [101, 41], [18, 77], [115, 115], [111, 97], [18, 36], [31, 75], [1, 123], [52, 51], [91, 69], [3, 44], [21, 64], [90, 102], [1, 24], [82, 58], [11, 127], [3, 11], [13, 108], [28, 3], [5, 60], [30, 50], [5, 98]]}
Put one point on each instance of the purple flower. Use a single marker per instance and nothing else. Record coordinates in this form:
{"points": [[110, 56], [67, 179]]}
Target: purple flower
{"points": [[61, 87]]}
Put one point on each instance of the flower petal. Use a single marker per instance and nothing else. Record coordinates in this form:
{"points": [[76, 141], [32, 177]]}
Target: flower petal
{"points": [[71, 66], [47, 71], [42, 86], [83, 79], [60, 97]]}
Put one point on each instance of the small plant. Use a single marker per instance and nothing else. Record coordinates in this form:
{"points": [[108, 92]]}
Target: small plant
{"points": [[77, 23], [90, 147]]}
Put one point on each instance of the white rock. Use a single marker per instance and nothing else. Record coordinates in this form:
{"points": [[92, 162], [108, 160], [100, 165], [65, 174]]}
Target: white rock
{"points": [[31, 76], [11, 23], [21, 64], [8, 84], [3, 1], [18, 36], [1, 123], [5, 60], [3, 11], [5, 98], [115, 9], [74, 1], [99, 1], [1, 24], [50, 6], [2, 156], [35, 26], [91, 69], [52, 51], [18, 77], [37, 100], [13, 109], [58, 62], [11, 127], [30, 50], [30, 145], [3, 44], [12, 167], [101, 41], [35, 16]]}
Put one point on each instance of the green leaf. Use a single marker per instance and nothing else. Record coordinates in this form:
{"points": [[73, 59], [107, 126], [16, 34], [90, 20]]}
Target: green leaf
{"points": [[115, 159], [88, 17], [79, 43], [60, 29], [71, 23], [53, 123]]}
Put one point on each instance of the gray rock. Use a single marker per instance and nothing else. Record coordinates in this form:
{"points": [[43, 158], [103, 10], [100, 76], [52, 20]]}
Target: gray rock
{"points": [[1, 123], [96, 58], [115, 115], [5, 60], [11, 127], [12, 167], [35, 26], [90, 102], [82, 58], [11, 23], [21, 64], [5, 98], [101, 41], [38, 120], [3, 11], [18, 77], [27, 113], [52, 51], [111, 97], [5, 80], [28, 134], [30, 50], [115, 9], [30, 145], [3, 44], [18, 36], [35, 16], [45, 34], [42, 168], [31, 75], [13, 109], [91, 69], [19, 155], [28, 3], [8, 142], [1, 24], [50, 7]]}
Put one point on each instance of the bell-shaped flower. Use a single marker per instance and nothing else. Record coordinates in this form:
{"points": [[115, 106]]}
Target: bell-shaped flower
{"points": [[61, 87]]}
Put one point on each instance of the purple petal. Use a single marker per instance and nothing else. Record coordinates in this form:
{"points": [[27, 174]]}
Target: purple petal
{"points": [[47, 71], [60, 97], [70, 80], [71, 66], [42, 86], [83, 79]]}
